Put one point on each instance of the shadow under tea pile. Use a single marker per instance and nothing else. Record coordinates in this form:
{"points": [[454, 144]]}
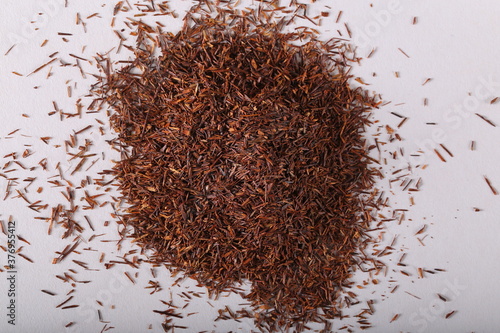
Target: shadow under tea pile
{"points": [[244, 159]]}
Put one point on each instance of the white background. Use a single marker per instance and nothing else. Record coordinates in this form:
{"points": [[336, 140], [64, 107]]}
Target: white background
{"points": [[454, 43]]}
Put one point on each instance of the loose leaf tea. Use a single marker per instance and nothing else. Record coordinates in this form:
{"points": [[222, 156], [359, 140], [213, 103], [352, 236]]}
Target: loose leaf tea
{"points": [[244, 159]]}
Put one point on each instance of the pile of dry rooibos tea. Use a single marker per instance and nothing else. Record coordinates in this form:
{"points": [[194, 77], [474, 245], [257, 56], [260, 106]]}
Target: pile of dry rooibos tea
{"points": [[244, 160]]}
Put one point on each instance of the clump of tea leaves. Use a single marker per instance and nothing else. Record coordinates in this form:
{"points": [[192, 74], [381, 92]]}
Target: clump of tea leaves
{"points": [[243, 159]]}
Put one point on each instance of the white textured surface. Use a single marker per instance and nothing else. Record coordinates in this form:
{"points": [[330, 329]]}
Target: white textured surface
{"points": [[454, 43]]}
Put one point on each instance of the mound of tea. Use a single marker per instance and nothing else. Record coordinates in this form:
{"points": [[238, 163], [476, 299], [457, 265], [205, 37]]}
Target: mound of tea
{"points": [[244, 160]]}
